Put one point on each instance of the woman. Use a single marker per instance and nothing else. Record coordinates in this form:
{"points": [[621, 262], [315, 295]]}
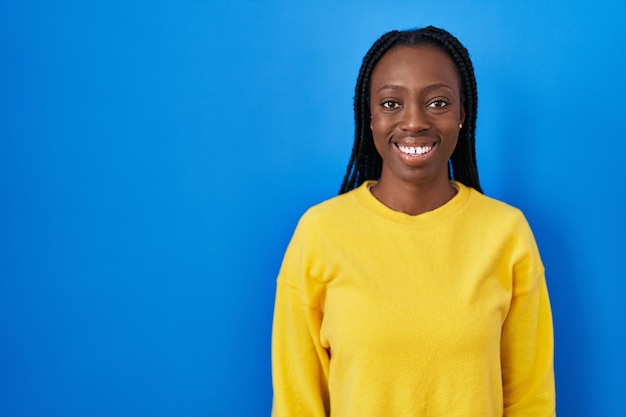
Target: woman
{"points": [[411, 293]]}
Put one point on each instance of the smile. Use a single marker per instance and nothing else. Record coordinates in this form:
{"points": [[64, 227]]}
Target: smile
{"points": [[414, 150]]}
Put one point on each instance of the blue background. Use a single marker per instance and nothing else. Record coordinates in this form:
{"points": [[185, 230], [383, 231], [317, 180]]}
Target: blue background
{"points": [[155, 157]]}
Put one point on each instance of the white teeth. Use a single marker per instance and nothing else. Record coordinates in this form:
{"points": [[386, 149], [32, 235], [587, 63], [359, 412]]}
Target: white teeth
{"points": [[415, 150]]}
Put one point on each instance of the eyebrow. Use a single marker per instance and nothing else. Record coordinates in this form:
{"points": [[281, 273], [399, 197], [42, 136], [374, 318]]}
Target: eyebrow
{"points": [[428, 88]]}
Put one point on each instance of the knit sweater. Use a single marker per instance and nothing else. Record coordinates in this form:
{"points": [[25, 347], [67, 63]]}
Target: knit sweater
{"points": [[379, 313]]}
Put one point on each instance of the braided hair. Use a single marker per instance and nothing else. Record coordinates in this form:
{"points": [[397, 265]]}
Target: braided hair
{"points": [[365, 162]]}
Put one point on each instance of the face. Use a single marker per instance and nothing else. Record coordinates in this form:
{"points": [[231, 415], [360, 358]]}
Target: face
{"points": [[416, 112]]}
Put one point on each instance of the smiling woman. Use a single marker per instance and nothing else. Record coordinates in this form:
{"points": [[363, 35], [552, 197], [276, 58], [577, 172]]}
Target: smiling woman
{"points": [[412, 293]]}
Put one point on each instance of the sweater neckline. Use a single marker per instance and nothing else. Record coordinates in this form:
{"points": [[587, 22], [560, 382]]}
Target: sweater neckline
{"points": [[372, 204]]}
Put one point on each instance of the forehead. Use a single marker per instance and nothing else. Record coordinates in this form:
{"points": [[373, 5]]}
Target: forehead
{"points": [[423, 63]]}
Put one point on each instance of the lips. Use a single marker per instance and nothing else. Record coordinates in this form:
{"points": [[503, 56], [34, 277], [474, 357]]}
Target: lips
{"points": [[414, 150]]}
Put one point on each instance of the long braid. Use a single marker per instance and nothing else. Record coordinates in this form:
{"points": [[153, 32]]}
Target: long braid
{"points": [[365, 162]]}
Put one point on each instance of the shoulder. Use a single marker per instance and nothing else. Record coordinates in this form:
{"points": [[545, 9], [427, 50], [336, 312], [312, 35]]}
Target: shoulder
{"points": [[504, 228], [335, 210], [492, 210], [496, 220], [319, 235]]}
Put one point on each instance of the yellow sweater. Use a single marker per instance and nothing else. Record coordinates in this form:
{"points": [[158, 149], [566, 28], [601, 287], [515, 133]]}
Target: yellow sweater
{"points": [[383, 314]]}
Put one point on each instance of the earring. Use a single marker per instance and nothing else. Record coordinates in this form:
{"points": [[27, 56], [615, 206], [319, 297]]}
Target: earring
{"points": [[461, 126]]}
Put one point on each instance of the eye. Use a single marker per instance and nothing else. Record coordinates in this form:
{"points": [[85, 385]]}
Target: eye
{"points": [[390, 104], [438, 104]]}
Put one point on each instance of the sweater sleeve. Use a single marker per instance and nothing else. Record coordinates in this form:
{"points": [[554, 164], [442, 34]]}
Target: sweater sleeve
{"points": [[527, 343], [299, 361]]}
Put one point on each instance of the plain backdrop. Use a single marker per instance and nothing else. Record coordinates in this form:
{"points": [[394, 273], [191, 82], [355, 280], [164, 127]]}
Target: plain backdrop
{"points": [[155, 157]]}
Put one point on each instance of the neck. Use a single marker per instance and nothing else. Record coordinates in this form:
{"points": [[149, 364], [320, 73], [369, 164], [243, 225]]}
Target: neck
{"points": [[413, 199]]}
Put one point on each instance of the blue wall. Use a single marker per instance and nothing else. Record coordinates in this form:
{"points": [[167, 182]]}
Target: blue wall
{"points": [[155, 157]]}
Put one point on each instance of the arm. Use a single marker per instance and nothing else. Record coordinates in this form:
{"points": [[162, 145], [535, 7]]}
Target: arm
{"points": [[527, 344], [299, 361]]}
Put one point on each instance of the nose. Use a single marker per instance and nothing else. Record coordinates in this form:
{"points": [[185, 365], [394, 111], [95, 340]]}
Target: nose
{"points": [[414, 118]]}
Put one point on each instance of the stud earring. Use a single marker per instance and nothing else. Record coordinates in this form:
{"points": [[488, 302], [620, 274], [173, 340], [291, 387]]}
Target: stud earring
{"points": [[461, 126]]}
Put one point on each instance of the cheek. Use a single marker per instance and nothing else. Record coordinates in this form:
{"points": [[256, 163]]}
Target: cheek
{"points": [[453, 140], [381, 125], [451, 128], [378, 137]]}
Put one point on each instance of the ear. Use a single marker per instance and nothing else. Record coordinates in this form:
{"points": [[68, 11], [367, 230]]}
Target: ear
{"points": [[462, 115]]}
